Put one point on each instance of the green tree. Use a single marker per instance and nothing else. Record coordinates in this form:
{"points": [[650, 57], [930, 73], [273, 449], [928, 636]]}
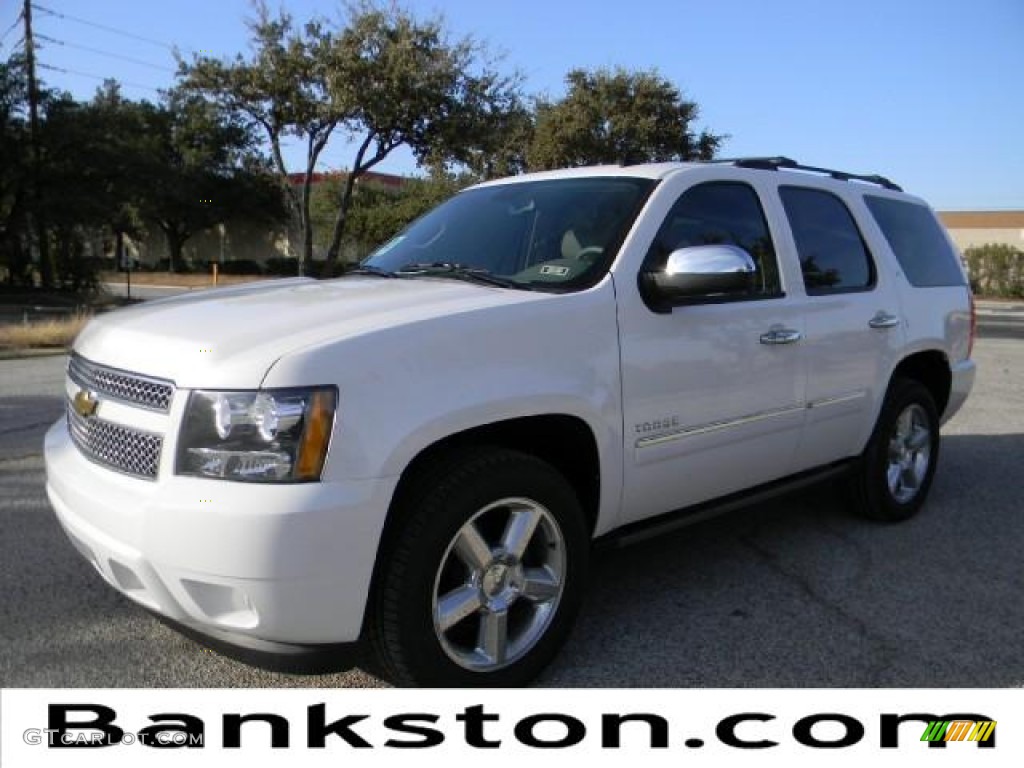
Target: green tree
{"points": [[110, 158], [112, 167], [55, 209], [402, 82], [377, 213], [283, 89], [617, 116], [14, 170], [88, 181], [201, 170], [30, 199]]}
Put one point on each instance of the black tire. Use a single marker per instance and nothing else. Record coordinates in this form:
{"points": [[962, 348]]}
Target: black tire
{"points": [[878, 495], [471, 498]]}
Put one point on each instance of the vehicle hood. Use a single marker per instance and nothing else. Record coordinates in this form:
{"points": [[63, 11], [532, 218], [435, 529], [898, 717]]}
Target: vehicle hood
{"points": [[230, 337]]}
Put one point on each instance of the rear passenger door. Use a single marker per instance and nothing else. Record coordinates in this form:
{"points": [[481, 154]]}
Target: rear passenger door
{"points": [[853, 323]]}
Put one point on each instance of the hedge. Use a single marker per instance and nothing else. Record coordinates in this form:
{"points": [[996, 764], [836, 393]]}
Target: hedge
{"points": [[996, 270]]}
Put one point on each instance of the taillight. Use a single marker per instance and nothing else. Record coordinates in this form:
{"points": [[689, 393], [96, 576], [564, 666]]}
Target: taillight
{"points": [[974, 323]]}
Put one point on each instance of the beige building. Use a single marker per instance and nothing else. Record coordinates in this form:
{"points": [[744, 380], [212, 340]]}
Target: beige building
{"points": [[971, 228]]}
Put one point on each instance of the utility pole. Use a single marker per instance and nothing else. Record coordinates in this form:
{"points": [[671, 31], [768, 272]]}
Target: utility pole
{"points": [[45, 267]]}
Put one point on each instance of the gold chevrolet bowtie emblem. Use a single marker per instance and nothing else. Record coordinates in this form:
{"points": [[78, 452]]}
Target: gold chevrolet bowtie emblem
{"points": [[85, 403]]}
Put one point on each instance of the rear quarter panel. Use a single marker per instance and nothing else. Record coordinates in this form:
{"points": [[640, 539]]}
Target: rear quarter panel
{"points": [[935, 318]]}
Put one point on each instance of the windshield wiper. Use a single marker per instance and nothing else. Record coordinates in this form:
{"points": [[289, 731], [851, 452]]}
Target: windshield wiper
{"points": [[369, 269], [460, 272]]}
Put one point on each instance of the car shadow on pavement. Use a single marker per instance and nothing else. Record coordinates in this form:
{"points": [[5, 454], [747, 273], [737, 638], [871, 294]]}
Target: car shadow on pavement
{"points": [[802, 592]]}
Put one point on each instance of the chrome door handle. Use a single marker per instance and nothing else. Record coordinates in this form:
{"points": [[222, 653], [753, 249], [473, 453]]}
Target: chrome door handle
{"points": [[781, 336], [884, 320]]}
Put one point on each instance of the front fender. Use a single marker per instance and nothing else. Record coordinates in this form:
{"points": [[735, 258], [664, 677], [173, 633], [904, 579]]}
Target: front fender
{"points": [[406, 386]]}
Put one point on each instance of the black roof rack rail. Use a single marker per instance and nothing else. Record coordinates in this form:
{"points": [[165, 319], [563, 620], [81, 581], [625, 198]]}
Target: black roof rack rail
{"points": [[775, 163]]}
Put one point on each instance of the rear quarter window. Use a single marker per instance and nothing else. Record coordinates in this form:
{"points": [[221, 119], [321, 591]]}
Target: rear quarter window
{"points": [[917, 239]]}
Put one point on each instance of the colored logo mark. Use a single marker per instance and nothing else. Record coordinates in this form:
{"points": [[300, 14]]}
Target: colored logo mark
{"points": [[959, 730]]}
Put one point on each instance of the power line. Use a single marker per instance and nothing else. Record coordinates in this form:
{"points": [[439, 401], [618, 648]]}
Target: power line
{"points": [[18, 44], [104, 27], [11, 28], [101, 52], [101, 78]]}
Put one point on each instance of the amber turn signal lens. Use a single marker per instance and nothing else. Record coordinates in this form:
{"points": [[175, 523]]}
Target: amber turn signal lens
{"points": [[316, 436]]}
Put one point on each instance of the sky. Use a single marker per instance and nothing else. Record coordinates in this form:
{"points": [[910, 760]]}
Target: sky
{"points": [[926, 92]]}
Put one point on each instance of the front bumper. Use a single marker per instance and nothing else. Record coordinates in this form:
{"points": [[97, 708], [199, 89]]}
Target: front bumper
{"points": [[963, 379], [287, 564]]}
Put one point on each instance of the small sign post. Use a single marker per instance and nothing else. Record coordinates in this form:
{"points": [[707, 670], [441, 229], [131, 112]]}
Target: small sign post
{"points": [[125, 262]]}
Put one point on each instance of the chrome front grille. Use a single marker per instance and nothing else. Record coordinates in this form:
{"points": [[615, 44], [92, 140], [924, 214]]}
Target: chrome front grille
{"points": [[143, 391], [121, 448]]}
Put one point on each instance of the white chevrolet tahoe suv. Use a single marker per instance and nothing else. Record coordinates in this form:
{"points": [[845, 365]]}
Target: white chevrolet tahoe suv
{"points": [[424, 451]]}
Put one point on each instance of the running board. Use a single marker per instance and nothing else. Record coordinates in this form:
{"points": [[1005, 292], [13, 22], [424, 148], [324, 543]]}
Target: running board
{"points": [[682, 518]]}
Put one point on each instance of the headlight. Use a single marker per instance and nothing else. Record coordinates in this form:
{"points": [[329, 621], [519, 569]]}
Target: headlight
{"points": [[269, 436]]}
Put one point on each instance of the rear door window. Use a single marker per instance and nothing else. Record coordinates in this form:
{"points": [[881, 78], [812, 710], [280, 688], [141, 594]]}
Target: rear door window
{"points": [[832, 252]]}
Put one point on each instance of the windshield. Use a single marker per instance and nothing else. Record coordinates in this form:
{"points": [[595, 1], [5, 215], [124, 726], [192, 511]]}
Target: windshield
{"points": [[560, 234]]}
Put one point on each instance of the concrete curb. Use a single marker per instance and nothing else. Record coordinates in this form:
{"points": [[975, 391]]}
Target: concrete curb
{"points": [[990, 306]]}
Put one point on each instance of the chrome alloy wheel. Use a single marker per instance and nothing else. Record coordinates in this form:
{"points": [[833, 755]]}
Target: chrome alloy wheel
{"points": [[499, 584], [910, 453]]}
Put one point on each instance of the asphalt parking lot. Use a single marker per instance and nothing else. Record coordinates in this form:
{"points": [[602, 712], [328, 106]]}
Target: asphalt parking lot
{"points": [[794, 593]]}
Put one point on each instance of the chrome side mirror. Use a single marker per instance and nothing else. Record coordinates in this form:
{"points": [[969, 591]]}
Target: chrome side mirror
{"points": [[700, 272]]}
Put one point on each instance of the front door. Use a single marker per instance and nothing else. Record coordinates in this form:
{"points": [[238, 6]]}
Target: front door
{"points": [[713, 392]]}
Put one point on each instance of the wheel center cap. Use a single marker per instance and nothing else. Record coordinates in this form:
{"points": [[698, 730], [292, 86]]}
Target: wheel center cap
{"points": [[495, 579]]}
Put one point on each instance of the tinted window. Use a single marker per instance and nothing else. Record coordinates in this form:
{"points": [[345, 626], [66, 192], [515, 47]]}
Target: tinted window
{"points": [[833, 256], [917, 240], [720, 212], [558, 233]]}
